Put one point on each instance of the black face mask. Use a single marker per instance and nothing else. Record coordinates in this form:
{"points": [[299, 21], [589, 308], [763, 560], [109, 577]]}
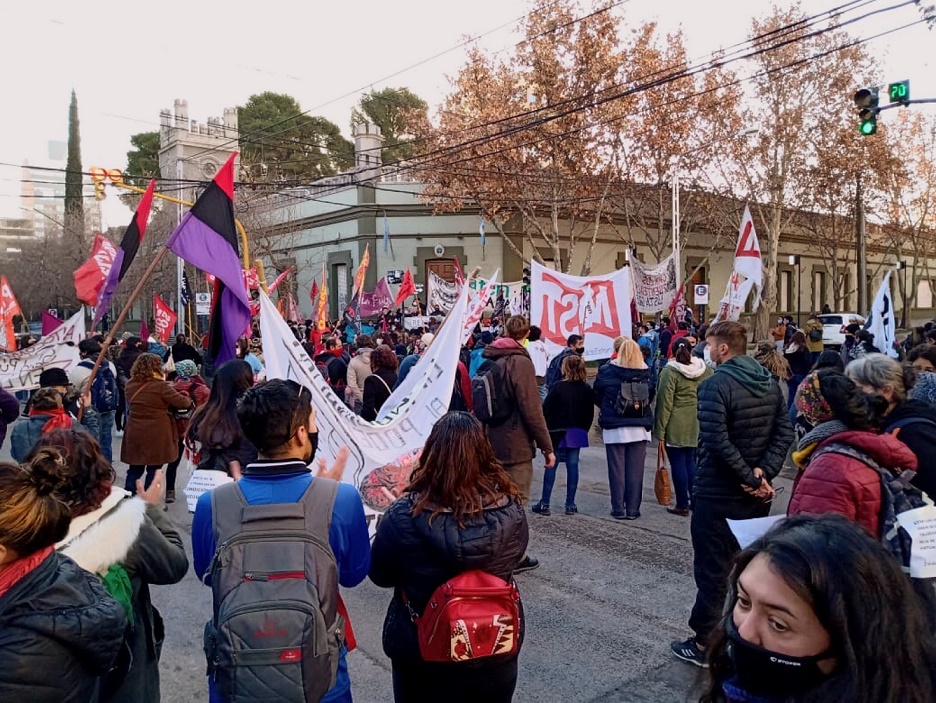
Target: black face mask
{"points": [[765, 673], [579, 351], [313, 440]]}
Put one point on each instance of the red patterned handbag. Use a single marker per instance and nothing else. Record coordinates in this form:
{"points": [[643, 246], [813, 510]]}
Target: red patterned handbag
{"points": [[471, 616]]}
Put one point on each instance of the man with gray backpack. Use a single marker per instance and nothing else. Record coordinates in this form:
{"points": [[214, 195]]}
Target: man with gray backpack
{"points": [[274, 546]]}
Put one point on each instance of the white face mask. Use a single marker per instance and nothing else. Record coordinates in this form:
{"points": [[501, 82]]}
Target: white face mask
{"points": [[707, 356]]}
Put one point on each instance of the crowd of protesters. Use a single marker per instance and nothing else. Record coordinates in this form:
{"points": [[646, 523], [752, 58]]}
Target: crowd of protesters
{"points": [[819, 608]]}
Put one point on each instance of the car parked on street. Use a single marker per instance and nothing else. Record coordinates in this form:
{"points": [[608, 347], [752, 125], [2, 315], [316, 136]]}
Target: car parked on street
{"points": [[834, 324]]}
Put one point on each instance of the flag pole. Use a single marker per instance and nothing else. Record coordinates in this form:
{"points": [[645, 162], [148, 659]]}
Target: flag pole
{"points": [[123, 316]]}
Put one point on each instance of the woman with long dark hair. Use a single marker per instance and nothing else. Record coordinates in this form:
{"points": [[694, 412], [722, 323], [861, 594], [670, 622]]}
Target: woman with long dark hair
{"points": [[59, 629], [377, 386], [214, 430], [124, 538], [461, 512], [819, 612]]}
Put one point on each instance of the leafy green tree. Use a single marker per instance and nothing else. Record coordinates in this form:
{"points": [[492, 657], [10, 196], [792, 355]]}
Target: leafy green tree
{"points": [[398, 112], [279, 142], [143, 158], [74, 205]]}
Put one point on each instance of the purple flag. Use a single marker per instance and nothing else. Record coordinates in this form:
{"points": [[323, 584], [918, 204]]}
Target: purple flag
{"points": [[373, 303]]}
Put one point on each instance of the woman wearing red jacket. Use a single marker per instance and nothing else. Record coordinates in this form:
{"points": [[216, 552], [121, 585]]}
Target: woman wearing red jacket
{"points": [[835, 479]]}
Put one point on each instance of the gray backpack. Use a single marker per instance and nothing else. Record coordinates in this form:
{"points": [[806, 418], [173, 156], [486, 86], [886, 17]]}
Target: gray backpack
{"points": [[276, 632]]}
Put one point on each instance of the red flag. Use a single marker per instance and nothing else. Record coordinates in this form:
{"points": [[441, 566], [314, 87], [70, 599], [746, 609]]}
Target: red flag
{"points": [[9, 308], [210, 279], [144, 330], [459, 274], [165, 319], [50, 323], [314, 292], [407, 288], [91, 275], [252, 279]]}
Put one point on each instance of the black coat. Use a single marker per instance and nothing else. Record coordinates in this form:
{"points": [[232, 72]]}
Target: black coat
{"points": [[608, 387], [377, 388], [417, 557], [569, 404], [917, 430], [739, 430], [183, 351], [59, 632]]}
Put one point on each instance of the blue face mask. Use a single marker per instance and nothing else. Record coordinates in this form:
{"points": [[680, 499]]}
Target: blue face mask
{"points": [[764, 673]]}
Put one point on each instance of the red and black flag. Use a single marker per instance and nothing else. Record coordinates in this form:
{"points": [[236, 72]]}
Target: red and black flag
{"points": [[207, 239], [125, 252]]}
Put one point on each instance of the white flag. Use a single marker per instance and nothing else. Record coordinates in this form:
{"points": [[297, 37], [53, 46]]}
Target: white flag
{"points": [[881, 320], [736, 295], [747, 259]]}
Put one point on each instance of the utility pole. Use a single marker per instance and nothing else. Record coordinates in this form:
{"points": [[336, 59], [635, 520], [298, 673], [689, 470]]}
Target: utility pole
{"points": [[860, 248]]}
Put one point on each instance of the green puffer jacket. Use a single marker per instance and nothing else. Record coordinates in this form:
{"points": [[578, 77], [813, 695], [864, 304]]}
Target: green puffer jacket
{"points": [[676, 421]]}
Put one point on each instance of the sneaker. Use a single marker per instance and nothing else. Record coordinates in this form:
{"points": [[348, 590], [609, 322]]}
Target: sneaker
{"points": [[528, 563], [632, 517], [690, 653], [170, 497], [682, 512], [571, 509], [541, 508], [618, 516]]}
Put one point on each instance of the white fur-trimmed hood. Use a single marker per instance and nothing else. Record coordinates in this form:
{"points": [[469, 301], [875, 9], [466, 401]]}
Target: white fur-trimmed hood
{"points": [[101, 538]]}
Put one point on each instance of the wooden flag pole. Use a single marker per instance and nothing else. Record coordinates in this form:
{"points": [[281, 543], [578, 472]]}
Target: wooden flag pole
{"points": [[123, 316]]}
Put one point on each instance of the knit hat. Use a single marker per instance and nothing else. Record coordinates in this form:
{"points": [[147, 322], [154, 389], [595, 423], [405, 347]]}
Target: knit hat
{"points": [[427, 338], [925, 389], [186, 368], [811, 405], [53, 377]]}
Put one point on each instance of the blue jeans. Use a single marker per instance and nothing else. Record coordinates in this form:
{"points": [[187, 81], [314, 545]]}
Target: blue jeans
{"points": [[571, 459], [106, 439], [682, 463]]}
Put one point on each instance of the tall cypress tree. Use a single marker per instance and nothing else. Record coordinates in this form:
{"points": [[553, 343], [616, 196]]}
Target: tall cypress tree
{"points": [[74, 206]]}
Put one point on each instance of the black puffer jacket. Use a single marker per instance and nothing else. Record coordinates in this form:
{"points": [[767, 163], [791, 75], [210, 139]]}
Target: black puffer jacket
{"points": [[608, 387], [411, 555], [59, 631], [743, 425]]}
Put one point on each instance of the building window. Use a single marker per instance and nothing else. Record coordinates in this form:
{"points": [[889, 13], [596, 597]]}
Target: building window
{"points": [[924, 294], [819, 290], [784, 300]]}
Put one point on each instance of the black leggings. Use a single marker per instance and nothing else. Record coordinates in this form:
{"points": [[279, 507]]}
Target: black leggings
{"points": [[135, 471], [172, 468], [121, 408], [492, 681]]}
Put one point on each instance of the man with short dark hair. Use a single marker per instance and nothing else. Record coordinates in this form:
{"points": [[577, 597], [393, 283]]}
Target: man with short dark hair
{"points": [[575, 344], [744, 433], [515, 440], [278, 418]]}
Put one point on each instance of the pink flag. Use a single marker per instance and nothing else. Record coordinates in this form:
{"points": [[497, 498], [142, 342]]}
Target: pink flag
{"points": [[49, 323], [144, 330], [280, 279]]}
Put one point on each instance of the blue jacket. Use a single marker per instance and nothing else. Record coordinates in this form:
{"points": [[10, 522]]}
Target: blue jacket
{"points": [[476, 361], [608, 386], [267, 481], [405, 367]]}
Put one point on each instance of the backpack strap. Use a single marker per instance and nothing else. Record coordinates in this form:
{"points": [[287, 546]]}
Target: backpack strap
{"points": [[895, 428], [318, 503]]}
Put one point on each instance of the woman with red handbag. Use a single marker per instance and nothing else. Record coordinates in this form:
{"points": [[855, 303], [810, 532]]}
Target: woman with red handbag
{"points": [[448, 548]]}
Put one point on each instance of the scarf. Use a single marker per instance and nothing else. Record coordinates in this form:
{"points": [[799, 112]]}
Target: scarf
{"points": [[58, 419], [812, 439], [16, 570]]}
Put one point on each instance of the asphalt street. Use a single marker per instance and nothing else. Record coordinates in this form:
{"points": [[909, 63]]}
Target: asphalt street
{"points": [[601, 610]]}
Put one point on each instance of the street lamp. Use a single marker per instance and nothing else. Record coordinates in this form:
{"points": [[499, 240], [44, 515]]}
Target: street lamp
{"points": [[796, 260], [902, 266]]}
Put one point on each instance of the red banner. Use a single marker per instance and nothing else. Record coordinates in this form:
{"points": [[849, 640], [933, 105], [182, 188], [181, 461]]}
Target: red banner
{"points": [[165, 319], [9, 307], [90, 276]]}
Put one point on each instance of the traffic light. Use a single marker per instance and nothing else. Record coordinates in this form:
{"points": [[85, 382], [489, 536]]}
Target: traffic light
{"points": [[867, 100], [99, 191], [98, 176]]}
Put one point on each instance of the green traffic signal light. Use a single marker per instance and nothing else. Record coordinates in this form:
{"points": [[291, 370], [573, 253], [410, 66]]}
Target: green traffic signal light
{"points": [[867, 101], [868, 127]]}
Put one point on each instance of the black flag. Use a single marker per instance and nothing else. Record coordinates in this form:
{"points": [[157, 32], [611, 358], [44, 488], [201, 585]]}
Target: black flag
{"points": [[186, 292]]}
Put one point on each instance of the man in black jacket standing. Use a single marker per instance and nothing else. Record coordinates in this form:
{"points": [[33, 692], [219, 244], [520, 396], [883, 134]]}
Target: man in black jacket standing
{"points": [[744, 433]]}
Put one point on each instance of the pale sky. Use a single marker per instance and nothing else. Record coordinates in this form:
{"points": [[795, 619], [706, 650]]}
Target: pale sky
{"points": [[127, 60]]}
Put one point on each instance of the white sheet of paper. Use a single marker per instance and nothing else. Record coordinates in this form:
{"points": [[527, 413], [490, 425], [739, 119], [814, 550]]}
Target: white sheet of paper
{"points": [[920, 524], [203, 481], [746, 531]]}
